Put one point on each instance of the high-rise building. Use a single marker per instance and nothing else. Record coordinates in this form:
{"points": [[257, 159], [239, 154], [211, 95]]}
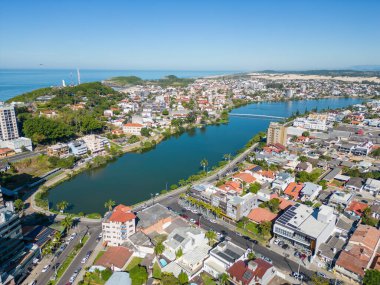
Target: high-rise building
{"points": [[1, 199], [276, 133], [8, 123], [11, 239]]}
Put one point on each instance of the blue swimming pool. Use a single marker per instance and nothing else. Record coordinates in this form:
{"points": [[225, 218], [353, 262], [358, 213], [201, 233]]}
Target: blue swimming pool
{"points": [[163, 262]]}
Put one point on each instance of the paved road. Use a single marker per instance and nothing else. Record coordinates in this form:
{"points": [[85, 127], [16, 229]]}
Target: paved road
{"points": [[76, 263], [22, 156], [281, 262]]}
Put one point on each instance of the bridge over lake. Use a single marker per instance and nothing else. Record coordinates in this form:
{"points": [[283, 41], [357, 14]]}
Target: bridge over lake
{"points": [[257, 116]]}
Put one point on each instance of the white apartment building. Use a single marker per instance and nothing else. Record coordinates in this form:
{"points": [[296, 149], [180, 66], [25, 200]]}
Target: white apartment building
{"points": [[118, 225], [8, 123], [96, 143], [132, 129]]}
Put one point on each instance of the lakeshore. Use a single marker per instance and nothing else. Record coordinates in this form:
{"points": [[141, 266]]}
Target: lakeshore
{"points": [[133, 177]]}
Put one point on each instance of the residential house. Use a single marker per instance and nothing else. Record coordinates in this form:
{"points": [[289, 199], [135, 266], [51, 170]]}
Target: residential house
{"points": [[60, 150], [118, 225], [78, 147], [372, 186], [282, 180], [6, 152], [259, 215], [266, 194], [354, 184], [341, 199], [329, 251], [114, 258], [240, 206], [133, 129], [356, 209], [222, 257], [185, 239], [304, 166], [155, 219], [293, 190], [359, 252], [118, 278], [310, 191], [252, 272]]}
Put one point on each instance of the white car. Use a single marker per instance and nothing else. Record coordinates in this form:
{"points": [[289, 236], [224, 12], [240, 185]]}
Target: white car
{"points": [[84, 259], [192, 221], [212, 221], [46, 268]]}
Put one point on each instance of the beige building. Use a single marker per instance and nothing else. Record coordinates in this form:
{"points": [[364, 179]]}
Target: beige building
{"points": [[118, 225], [95, 143], [60, 150], [276, 133], [133, 129]]}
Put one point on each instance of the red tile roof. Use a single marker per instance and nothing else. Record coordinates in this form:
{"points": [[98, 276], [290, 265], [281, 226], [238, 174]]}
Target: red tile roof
{"points": [[239, 268], [115, 256], [260, 215], [133, 125], [284, 204], [267, 173], [294, 190], [231, 185], [357, 207], [246, 177], [122, 214]]}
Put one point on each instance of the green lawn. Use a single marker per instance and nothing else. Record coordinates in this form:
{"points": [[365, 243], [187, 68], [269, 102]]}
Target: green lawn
{"points": [[135, 261], [100, 254], [252, 227], [156, 271], [207, 279]]}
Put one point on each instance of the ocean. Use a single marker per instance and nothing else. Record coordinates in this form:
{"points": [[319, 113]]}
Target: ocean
{"points": [[18, 81]]}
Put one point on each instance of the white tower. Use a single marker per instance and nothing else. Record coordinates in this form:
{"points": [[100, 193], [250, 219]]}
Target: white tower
{"points": [[63, 83], [78, 74]]}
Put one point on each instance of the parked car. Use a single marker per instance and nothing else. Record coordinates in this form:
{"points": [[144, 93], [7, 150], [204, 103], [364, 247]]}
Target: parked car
{"points": [[34, 282], [267, 259], [192, 221], [46, 268], [320, 274]]}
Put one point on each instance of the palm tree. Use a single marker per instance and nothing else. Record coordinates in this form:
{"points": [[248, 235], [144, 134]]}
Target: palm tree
{"points": [[211, 236], [227, 156], [47, 250], [223, 279], [159, 248], [62, 206], [67, 222], [57, 238], [19, 205], [109, 204], [182, 182], [204, 163]]}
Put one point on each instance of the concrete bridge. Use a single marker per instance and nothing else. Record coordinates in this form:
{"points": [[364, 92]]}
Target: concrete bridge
{"points": [[257, 116]]}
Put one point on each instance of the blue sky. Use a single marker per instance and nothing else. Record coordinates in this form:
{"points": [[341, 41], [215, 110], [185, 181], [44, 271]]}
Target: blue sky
{"points": [[190, 35]]}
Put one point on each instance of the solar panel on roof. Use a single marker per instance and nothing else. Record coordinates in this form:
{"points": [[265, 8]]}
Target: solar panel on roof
{"points": [[229, 252], [226, 257]]}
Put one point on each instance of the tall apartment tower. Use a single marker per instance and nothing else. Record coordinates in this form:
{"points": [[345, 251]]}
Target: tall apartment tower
{"points": [[277, 133], [8, 123]]}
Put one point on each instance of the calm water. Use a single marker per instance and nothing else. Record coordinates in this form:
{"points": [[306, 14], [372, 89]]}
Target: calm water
{"points": [[17, 81], [134, 176]]}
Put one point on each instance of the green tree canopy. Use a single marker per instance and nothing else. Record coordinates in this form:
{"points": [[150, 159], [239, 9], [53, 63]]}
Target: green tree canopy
{"points": [[183, 278], [139, 275], [371, 277]]}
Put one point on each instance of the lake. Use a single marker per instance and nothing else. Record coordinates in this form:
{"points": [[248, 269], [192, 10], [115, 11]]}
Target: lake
{"points": [[134, 176]]}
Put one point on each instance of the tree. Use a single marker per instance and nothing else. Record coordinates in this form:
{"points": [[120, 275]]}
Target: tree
{"points": [[19, 205], [204, 164], [306, 134], [145, 132], [109, 204], [251, 256], [371, 277], [227, 156], [169, 279], [139, 275], [67, 222], [265, 228], [62, 206], [302, 158], [211, 236], [159, 248], [178, 253], [317, 280], [254, 187], [165, 112], [183, 278], [223, 279]]}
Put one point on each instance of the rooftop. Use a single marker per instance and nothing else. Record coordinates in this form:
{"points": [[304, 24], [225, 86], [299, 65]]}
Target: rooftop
{"points": [[152, 215]]}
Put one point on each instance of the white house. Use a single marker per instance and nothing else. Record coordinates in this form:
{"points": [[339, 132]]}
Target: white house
{"points": [[132, 129]]}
